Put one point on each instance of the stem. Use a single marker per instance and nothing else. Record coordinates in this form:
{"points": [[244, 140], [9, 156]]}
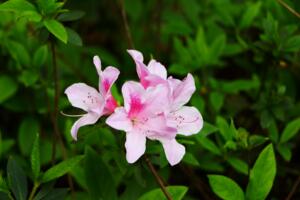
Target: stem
{"points": [[126, 26], [294, 188], [54, 116], [291, 10], [158, 178], [33, 191]]}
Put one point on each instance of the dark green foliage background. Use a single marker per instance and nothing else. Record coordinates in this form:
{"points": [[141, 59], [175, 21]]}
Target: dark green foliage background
{"points": [[244, 56]]}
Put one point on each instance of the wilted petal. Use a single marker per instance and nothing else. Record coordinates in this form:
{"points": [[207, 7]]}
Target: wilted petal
{"points": [[156, 68], [87, 119], [183, 91], [107, 77], [187, 120], [135, 146], [85, 97], [119, 120], [173, 150]]}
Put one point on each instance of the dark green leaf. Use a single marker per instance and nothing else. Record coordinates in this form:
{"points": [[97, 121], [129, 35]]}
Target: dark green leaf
{"points": [[209, 145], [285, 151], [8, 88], [60, 169], [292, 44], [27, 133], [71, 16], [177, 193], [238, 164], [262, 175], [35, 157], [57, 29], [251, 12], [16, 179], [57, 194], [28, 77], [98, 177], [40, 56], [19, 52], [73, 37], [216, 99]]}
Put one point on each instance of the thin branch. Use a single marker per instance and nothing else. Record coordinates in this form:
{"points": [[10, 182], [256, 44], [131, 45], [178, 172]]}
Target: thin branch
{"points": [[294, 188], [126, 26], [158, 178], [54, 116], [291, 10]]}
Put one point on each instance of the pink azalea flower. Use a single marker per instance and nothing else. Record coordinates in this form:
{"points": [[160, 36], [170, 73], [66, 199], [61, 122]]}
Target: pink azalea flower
{"points": [[143, 116], [95, 103]]}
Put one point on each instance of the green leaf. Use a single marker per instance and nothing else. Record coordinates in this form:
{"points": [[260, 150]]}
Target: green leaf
{"points": [[262, 175], [60, 169], [225, 187], [57, 194], [238, 164], [8, 88], [40, 56], [256, 140], [236, 86], [250, 14], [292, 44], [19, 52], [17, 179], [98, 177], [285, 151], [57, 29], [176, 192], [217, 47], [189, 158], [224, 128], [290, 130], [28, 77], [273, 131], [35, 157], [209, 145], [27, 133], [71, 16], [207, 129], [216, 99], [73, 37]]}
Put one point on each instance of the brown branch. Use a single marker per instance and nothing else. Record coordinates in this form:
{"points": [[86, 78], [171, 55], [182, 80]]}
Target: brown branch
{"points": [[158, 178], [294, 188], [126, 25], [291, 10], [54, 116]]}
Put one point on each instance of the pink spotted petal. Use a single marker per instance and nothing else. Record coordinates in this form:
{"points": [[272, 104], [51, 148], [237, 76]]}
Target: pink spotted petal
{"points": [[187, 120], [183, 91], [173, 150], [87, 119], [107, 77], [119, 120], [135, 146], [156, 68], [85, 97]]}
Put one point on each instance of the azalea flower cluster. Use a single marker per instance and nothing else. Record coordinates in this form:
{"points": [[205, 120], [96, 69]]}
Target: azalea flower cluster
{"points": [[154, 107]]}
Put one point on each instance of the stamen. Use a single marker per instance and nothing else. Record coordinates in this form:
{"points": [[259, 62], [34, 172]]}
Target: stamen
{"points": [[68, 115]]}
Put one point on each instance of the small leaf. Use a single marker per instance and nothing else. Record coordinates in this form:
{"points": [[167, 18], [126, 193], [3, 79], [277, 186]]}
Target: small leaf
{"points": [[60, 169], [17, 179], [176, 192], [35, 157], [262, 175], [19, 52], [189, 158], [292, 44], [57, 29], [8, 88], [225, 187], [73, 37], [209, 145], [56, 194], [40, 56], [285, 151], [216, 99], [290, 130], [71, 16], [28, 77], [239, 165], [27, 133], [250, 14], [207, 129]]}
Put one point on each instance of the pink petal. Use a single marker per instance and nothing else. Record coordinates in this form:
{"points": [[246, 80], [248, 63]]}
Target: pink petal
{"points": [[183, 91], [156, 68], [87, 119], [110, 105], [132, 94], [119, 120], [85, 97], [187, 120], [135, 146], [141, 68], [173, 150], [97, 63], [107, 77]]}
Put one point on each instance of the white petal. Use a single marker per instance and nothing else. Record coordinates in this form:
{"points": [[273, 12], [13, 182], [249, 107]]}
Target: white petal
{"points": [[87, 119], [135, 146], [173, 150], [157, 68], [119, 120]]}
